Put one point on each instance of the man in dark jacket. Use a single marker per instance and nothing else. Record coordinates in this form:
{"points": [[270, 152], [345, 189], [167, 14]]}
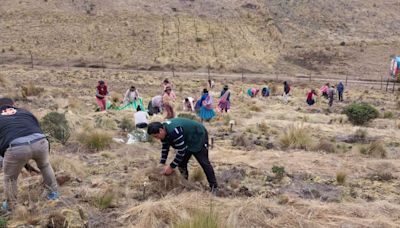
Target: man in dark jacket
{"points": [[340, 89], [21, 139], [188, 138]]}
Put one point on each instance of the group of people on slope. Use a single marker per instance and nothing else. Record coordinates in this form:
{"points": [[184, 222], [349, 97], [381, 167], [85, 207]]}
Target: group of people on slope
{"points": [[265, 91], [328, 92]]}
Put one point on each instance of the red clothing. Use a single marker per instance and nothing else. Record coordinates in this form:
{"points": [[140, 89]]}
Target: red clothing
{"points": [[102, 90], [310, 95]]}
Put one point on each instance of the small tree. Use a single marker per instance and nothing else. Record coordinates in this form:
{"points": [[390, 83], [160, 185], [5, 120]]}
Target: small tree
{"points": [[360, 113], [56, 125]]}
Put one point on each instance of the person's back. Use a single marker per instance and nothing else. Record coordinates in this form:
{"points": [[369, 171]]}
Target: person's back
{"points": [[192, 131], [141, 118], [19, 124], [331, 92]]}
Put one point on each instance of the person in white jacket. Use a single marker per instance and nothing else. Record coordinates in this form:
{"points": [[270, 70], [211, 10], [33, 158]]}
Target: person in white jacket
{"points": [[141, 118]]}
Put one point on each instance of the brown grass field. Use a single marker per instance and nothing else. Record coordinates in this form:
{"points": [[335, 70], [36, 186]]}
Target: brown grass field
{"points": [[280, 165]]}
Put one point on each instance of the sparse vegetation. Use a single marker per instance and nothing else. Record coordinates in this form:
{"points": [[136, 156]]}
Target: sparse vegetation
{"points": [[341, 177], [279, 172], [200, 220], [188, 116], [388, 115], [30, 90], [296, 137], [374, 149], [126, 125], [197, 175], [95, 139], [56, 125], [326, 146], [106, 199], [360, 113]]}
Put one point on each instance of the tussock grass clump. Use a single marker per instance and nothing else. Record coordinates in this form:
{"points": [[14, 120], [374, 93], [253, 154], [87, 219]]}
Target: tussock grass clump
{"points": [[95, 139], [341, 177], [106, 123], [263, 127], [57, 220], [197, 175], [374, 149], [200, 220], [255, 108], [360, 113], [326, 146], [241, 140], [126, 125], [106, 199], [388, 115], [31, 90], [63, 163], [296, 137], [3, 82], [361, 134], [56, 125]]}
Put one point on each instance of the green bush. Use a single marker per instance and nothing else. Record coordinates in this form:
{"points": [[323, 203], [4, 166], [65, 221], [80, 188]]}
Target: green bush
{"points": [[3, 223], [279, 172], [56, 126], [360, 113]]}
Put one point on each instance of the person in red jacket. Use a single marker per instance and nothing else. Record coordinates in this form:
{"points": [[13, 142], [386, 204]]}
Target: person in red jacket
{"points": [[101, 95]]}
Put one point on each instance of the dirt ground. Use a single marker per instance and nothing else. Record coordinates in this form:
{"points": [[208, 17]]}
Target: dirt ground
{"points": [[307, 195]]}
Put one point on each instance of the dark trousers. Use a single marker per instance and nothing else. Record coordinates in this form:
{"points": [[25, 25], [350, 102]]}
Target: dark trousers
{"points": [[340, 96], [202, 159], [330, 101], [141, 125]]}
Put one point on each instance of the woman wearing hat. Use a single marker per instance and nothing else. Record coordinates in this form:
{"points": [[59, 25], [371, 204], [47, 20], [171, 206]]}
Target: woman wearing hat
{"points": [[206, 106], [224, 99], [168, 102]]}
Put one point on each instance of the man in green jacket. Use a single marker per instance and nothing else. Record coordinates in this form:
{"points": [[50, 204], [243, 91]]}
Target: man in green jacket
{"points": [[188, 138]]}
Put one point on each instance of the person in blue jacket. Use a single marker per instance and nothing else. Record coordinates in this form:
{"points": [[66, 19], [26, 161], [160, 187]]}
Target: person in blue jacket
{"points": [[340, 89]]}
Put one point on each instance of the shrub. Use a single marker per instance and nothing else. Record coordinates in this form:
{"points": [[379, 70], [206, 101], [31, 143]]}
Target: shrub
{"points": [[375, 149], [279, 172], [341, 177], [200, 220], [30, 90], [296, 137], [56, 125], [3, 223], [95, 140], [360, 113], [126, 125]]}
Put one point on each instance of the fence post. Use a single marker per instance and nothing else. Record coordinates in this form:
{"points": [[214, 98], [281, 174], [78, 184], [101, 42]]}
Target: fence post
{"points": [[346, 80], [102, 64], [387, 85], [381, 82], [30, 52], [212, 142], [394, 84], [242, 76], [173, 71], [310, 77]]}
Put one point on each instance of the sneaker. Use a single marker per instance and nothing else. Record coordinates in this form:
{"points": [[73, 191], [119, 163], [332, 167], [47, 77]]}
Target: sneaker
{"points": [[53, 196]]}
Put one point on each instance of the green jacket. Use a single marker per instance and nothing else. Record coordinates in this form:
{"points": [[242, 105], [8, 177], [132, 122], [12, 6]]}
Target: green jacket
{"points": [[193, 132]]}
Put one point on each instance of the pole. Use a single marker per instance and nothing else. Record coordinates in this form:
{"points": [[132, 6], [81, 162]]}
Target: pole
{"points": [[346, 80], [242, 76], [381, 82], [173, 71], [387, 85], [30, 52], [310, 77]]}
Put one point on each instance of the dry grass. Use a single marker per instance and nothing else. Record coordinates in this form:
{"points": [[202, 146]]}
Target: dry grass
{"points": [[326, 146], [30, 90], [199, 220], [341, 177], [95, 139], [197, 174], [296, 137], [62, 163], [374, 149]]}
